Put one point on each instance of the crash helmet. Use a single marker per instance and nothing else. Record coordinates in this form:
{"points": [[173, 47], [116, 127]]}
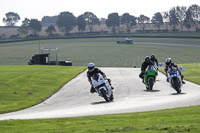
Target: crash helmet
{"points": [[168, 61], [91, 67], [147, 59], [152, 56]]}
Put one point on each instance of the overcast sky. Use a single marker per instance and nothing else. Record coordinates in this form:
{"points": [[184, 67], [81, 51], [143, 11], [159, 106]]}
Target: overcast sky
{"points": [[101, 8]]}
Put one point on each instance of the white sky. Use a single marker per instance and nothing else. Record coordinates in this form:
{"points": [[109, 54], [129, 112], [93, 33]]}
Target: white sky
{"points": [[38, 8]]}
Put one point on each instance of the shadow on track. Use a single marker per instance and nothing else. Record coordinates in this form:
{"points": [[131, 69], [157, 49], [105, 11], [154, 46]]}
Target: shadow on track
{"points": [[178, 93], [101, 102], [151, 90]]}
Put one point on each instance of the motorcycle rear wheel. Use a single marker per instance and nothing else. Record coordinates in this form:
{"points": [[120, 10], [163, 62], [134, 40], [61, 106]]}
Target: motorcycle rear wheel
{"points": [[111, 97]]}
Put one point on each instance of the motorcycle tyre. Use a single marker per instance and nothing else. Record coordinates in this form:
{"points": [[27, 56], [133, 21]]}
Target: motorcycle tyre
{"points": [[176, 86], [111, 97], [103, 93], [151, 82]]}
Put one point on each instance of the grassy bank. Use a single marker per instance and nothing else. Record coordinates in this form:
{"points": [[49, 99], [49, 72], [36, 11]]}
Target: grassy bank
{"points": [[166, 121], [25, 86], [186, 119], [192, 72]]}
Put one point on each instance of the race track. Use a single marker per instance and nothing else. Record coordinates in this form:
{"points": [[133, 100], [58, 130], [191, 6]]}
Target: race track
{"points": [[130, 94]]}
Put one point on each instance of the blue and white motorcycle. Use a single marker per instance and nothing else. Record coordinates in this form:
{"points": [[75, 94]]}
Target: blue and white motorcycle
{"points": [[102, 87], [175, 80]]}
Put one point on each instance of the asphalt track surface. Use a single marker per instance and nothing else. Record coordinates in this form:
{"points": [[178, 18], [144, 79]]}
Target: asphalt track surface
{"points": [[130, 95]]}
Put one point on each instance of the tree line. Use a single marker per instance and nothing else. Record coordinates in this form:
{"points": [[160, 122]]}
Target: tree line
{"points": [[66, 21]]}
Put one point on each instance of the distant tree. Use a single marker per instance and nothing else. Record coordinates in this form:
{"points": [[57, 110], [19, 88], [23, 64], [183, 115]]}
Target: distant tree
{"points": [[113, 21], [50, 30], [143, 20], [173, 18], [81, 23], [195, 9], [35, 26], [11, 19], [66, 21], [102, 20], [24, 28], [180, 13], [188, 19], [91, 20], [49, 20], [128, 20], [166, 19], [157, 19]]}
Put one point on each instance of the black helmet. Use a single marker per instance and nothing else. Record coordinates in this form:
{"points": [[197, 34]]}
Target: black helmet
{"points": [[147, 59], [91, 67], [168, 61], [152, 56]]}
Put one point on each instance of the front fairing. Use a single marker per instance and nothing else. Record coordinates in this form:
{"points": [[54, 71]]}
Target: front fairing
{"points": [[97, 80]]}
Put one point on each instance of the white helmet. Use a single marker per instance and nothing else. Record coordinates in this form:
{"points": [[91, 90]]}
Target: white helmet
{"points": [[168, 61], [91, 67]]}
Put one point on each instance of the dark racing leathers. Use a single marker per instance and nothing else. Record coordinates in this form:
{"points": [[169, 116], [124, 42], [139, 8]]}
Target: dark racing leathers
{"points": [[143, 68], [167, 67], [90, 74], [154, 60]]}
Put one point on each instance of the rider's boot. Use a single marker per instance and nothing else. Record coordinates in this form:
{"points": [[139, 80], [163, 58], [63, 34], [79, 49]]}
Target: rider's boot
{"points": [[92, 90], [182, 79]]}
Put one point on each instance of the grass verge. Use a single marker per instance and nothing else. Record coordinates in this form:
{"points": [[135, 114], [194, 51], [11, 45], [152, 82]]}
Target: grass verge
{"points": [[186, 119], [25, 86], [165, 121]]}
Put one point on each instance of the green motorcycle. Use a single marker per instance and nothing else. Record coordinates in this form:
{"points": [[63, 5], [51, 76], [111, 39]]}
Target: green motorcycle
{"points": [[150, 76]]}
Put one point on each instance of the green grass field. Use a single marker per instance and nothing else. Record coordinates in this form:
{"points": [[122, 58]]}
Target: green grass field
{"points": [[25, 86], [102, 51], [180, 120], [186, 119]]}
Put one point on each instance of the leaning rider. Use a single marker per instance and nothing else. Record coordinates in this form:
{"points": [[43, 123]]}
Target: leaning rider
{"points": [[146, 62], [168, 65], [93, 70]]}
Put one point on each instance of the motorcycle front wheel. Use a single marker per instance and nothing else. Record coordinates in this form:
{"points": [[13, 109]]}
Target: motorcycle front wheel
{"points": [[103, 93], [176, 85], [151, 82]]}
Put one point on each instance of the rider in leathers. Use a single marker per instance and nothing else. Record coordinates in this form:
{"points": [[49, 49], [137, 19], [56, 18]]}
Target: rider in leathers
{"points": [[168, 65], [144, 66], [153, 59], [93, 70]]}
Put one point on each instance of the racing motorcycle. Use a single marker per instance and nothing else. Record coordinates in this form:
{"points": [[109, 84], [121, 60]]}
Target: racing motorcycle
{"points": [[150, 76], [175, 80], [102, 87]]}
